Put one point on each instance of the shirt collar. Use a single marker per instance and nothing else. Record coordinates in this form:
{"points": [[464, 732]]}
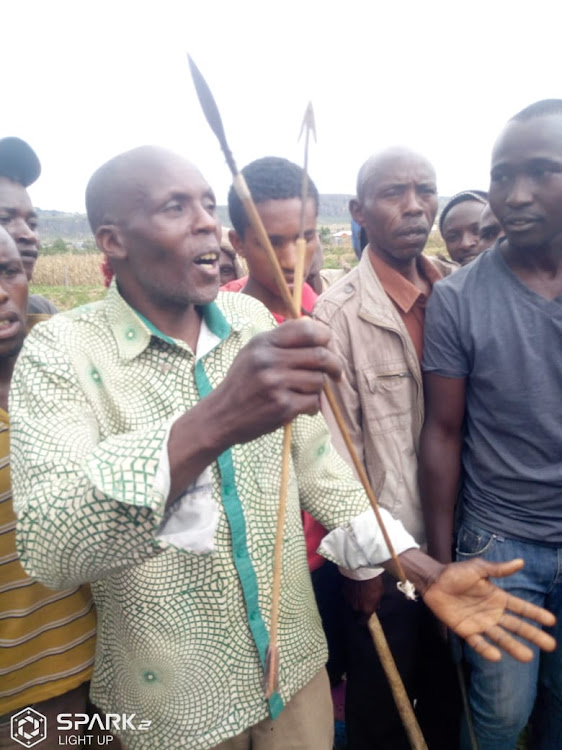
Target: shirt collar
{"points": [[133, 332], [401, 291]]}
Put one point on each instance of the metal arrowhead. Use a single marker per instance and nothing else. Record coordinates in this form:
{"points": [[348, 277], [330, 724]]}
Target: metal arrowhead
{"points": [[308, 123]]}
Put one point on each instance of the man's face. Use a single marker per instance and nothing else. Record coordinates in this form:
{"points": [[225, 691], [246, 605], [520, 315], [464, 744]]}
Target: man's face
{"points": [[281, 219], [399, 207], [20, 221], [460, 231], [226, 268], [489, 230], [170, 236], [526, 182], [13, 297]]}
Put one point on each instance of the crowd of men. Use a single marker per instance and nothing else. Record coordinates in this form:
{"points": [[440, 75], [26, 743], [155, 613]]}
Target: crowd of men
{"points": [[146, 440]]}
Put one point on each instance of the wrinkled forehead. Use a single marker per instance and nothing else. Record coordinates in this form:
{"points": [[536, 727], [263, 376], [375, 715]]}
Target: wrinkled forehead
{"points": [[400, 169], [163, 173], [537, 138], [151, 178]]}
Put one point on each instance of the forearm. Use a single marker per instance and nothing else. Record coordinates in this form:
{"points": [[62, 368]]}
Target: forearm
{"points": [[439, 476], [419, 568]]}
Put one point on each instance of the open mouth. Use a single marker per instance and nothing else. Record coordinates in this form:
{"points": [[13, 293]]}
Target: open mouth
{"points": [[9, 326], [209, 259], [413, 232]]}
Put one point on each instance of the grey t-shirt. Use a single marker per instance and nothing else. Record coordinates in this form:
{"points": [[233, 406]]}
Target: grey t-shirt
{"points": [[483, 324], [39, 304]]}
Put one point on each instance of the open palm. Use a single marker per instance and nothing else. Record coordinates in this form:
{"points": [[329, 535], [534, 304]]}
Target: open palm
{"points": [[474, 608]]}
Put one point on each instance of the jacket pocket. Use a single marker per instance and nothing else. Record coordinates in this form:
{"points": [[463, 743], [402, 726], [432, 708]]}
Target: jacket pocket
{"points": [[389, 399]]}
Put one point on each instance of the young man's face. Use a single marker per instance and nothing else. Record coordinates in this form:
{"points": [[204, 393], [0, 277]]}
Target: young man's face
{"points": [[227, 269], [526, 182], [489, 230], [460, 231], [19, 219], [281, 219], [399, 207], [13, 297], [169, 235]]}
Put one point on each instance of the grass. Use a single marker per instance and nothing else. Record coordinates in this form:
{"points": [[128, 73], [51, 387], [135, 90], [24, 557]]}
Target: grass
{"points": [[65, 298], [68, 280]]}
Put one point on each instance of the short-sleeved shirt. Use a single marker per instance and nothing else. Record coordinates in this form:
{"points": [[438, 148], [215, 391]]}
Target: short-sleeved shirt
{"points": [[485, 325], [39, 304]]}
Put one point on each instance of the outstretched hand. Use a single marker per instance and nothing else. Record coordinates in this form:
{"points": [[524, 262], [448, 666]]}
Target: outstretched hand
{"points": [[474, 608]]}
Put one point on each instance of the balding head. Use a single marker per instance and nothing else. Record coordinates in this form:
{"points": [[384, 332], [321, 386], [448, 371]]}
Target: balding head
{"points": [[153, 214], [396, 203], [377, 165], [122, 182]]}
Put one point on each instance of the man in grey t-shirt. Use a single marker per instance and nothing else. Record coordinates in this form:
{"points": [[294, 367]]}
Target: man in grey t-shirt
{"points": [[493, 377]]}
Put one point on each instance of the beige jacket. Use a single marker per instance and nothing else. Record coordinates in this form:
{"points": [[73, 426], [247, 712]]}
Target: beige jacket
{"points": [[381, 394]]}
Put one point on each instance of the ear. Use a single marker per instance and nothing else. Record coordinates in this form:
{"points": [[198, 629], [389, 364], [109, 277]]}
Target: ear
{"points": [[108, 239], [356, 210], [237, 242]]}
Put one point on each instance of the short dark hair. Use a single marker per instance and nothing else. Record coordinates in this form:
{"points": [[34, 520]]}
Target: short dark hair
{"points": [[466, 195], [541, 108], [269, 178]]}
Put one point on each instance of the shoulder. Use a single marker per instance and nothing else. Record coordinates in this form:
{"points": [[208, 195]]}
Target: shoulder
{"points": [[235, 285], [39, 304], [69, 327], [445, 267], [469, 280], [243, 311], [340, 300]]}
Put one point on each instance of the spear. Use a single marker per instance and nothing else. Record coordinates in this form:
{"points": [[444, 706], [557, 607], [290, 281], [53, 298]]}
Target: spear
{"points": [[212, 115], [271, 676]]}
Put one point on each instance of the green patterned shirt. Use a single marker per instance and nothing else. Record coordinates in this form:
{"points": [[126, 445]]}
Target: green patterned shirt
{"points": [[181, 636]]}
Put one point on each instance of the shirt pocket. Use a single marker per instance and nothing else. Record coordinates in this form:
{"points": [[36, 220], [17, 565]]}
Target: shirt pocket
{"points": [[389, 398]]}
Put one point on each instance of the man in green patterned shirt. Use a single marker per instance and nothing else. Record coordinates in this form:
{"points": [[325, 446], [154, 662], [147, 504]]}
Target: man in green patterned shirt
{"points": [[146, 460]]}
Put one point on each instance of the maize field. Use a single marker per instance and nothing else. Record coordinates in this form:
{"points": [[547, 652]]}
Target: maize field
{"points": [[68, 270]]}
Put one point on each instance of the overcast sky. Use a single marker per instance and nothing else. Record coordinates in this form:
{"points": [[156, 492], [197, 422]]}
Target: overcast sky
{"points": [[83, 81]]}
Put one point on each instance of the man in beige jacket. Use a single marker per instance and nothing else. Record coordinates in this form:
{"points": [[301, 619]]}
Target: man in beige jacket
{"points": [[376, 316]]}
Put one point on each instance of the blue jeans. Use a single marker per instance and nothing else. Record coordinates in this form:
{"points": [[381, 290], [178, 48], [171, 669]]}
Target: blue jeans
{"points": [[504, 694]]}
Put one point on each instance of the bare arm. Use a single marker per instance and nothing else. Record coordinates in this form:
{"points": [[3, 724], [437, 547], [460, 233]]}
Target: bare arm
{"points": [[440, 459]]}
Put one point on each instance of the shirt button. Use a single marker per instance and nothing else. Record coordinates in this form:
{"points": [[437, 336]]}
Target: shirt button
{"points": [[254, 615], [131, 333], [229, 490], [240, 553], [348, 288]]}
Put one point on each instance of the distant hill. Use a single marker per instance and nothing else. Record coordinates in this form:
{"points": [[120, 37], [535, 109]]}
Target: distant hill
{"points": [[74, 227], [66, 226]]}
